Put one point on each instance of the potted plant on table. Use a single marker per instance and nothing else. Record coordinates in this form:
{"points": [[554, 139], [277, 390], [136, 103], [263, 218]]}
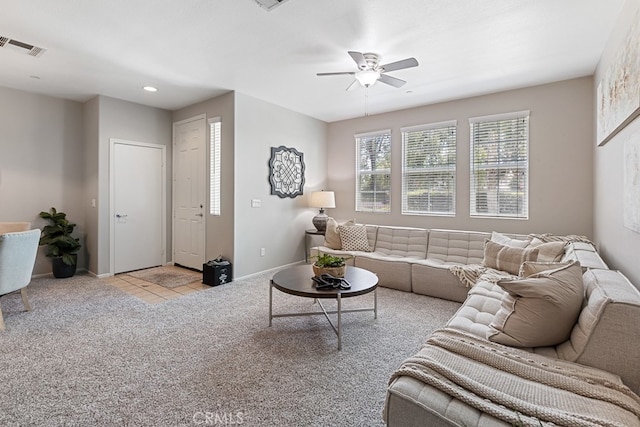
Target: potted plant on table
{"points": [[333, 265], [62, 248]]}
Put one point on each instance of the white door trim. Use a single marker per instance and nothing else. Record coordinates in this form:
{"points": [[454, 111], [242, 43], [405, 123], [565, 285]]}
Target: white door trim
{"points": [[112, 214], [173, 179]]}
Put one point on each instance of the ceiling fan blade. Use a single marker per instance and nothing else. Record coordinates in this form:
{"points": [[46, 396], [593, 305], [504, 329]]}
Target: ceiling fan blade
{"points": [[392, 81], [399, 65], [336, 74], [353, 85], [359, 58]]}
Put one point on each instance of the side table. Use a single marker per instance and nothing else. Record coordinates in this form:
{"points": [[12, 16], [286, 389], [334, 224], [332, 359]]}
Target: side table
{"points": [[308, 235]]}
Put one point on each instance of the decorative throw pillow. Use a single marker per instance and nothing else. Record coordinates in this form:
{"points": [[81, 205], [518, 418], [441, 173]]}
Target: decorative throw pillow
{"points": [[332, 236], [530, 267], [540, 310], [507, 258], [354, 238], [508, 241], [548, 252]]}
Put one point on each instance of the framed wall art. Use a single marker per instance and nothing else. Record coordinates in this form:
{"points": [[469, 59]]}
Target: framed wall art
{"points": [[618, 93], [286, 172], [631, 195]]}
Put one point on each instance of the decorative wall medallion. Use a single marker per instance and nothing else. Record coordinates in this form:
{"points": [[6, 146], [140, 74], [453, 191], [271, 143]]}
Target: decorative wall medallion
{"points": [[286, 172]]}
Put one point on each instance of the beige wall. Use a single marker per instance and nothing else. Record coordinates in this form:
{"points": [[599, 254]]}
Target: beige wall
{"points": [[561, 155], [91, 119], [619, 245], [131, 122], [278, 226], [41, 162], [219, 229]]}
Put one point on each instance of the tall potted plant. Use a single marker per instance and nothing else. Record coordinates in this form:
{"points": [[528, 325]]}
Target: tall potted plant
{"points": [[61, 246]]}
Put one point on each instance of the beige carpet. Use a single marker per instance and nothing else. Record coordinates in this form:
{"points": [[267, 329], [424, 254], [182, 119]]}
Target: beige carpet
{"points": [[168, 276], [89, 354]]}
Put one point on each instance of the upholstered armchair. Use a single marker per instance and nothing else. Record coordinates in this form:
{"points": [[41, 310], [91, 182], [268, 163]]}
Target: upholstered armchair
{"points": [[17, 257]]}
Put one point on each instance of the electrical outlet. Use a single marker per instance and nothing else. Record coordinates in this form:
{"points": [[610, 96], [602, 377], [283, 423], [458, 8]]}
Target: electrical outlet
{"points": [[262, 251], [256, 203]]}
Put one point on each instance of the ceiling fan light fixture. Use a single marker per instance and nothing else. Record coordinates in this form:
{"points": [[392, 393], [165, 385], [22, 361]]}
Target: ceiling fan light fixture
{"points": [[367, 77]]}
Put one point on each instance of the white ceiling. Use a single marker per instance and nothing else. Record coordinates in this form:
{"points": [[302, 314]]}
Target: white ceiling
{"points": [[192, 50]]}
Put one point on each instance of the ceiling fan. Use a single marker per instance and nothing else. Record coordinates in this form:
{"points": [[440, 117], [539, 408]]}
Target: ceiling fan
{"points": [[370, 70]]}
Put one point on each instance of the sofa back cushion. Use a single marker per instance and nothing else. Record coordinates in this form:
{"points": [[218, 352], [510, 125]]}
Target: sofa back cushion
{"points": [[586, 254], [402, 241], [607, 331], [459, 247]]}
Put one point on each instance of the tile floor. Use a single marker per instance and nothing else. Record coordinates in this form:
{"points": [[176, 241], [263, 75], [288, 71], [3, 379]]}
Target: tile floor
{"points": [[150, 292]]}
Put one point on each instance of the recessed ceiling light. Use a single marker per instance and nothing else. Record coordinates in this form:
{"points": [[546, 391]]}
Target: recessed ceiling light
{"points": [[150, 89]]}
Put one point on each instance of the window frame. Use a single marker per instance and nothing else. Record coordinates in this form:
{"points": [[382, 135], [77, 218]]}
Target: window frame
{"points": [[360, 172], [215, 150], [521, 165], [405, 131]]}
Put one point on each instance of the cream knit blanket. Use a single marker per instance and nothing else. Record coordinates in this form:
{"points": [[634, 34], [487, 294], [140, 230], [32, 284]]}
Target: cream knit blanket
{"points": [[519, 387], [471, 274]]}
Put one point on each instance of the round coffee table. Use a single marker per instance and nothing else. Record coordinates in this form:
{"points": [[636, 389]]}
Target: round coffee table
{"points": [[297, 281]]}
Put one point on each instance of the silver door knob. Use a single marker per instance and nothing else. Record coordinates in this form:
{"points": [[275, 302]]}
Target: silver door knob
{"points": [[199, 214], [121, 216]]}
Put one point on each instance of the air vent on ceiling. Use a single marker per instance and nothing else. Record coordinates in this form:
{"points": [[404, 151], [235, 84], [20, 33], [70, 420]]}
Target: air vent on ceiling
{"points": [[269, 4], [21, 47]]}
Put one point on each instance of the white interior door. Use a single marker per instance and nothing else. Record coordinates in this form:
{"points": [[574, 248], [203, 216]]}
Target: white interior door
{"points": [[189, 184], [138, 205]]}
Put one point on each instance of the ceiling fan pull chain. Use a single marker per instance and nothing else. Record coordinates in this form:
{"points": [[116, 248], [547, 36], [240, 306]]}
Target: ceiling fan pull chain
{"points": [[366, 101]]}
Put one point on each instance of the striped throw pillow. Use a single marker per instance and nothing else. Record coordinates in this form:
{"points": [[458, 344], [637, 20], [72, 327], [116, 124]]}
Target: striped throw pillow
{"points": [[507, 258]]}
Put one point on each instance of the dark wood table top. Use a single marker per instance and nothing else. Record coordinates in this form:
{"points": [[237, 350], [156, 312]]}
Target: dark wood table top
{"points": [[297, 281]]}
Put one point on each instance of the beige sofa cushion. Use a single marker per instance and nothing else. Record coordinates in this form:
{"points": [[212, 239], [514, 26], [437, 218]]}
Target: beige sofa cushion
{"points": [[456, 247], [332, 236], [507, 258], [539, 310], [605, 335], [586, 254], [403, 242]]}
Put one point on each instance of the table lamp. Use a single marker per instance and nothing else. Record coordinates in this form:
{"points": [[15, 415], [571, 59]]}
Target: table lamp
{"points": [[322, 200]]}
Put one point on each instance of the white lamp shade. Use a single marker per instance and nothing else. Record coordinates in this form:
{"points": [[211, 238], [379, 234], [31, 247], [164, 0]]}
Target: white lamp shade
{"points": [[322, 199], [367, 77]]}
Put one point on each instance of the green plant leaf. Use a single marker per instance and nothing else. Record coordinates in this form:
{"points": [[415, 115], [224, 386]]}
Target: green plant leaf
{"points": [[57, 236]]}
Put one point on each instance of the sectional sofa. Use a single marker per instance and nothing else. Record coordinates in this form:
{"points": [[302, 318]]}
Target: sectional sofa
{"points": [[446, 385]]}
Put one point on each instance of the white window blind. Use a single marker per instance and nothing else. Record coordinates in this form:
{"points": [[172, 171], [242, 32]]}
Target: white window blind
{"points": [[373, 172], [215, 127], [429, 169], [500, 166]]}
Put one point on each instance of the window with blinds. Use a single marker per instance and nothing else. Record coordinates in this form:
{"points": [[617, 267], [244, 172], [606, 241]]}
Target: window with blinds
{"points": [[373, 172], [500, 166], [429, 169], [215, 126]]}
